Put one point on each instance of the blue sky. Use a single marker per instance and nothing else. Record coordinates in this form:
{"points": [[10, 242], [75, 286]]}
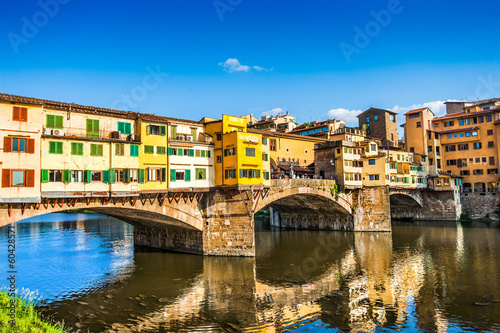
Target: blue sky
{"points": [[189, 59]]}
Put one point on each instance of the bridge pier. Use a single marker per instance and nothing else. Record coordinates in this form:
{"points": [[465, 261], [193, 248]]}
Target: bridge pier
{"points": [[315, 221], [372, 209]]}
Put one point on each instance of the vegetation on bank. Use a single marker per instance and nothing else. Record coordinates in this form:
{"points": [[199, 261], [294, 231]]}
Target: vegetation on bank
{"points": [[79, 211], [26, 319]]}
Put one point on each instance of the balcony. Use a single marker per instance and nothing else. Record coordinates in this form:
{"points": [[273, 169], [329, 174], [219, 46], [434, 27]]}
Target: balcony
{"points": [[81, 133]]}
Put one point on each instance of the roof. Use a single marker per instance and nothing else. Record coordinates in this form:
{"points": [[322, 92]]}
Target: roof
{"points": [[376, 109], [286, 135], [89, 109], [459, 130], [418, 110], [465, 114]]}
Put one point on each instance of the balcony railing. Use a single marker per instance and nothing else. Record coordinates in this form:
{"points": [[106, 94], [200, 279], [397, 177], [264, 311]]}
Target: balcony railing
{"points": [[71, 132]]}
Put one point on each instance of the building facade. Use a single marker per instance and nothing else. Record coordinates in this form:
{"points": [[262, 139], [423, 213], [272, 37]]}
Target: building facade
{"points": [[380, 124]]}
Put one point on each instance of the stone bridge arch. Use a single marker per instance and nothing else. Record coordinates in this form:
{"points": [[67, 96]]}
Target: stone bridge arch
{"points": [[405, 198]]}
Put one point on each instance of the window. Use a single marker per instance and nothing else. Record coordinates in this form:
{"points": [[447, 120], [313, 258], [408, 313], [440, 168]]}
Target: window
{"points": [[438, 163], [230, 151], [461, 135], [419, 124], [415, 115], [11, 144], [367, 119], [489, 132], [483, 159], [249, 173], [133, 176], [392, 118], [124, 128], [264, 141], [488, 118], [449, 136], [436, 136], [371, 162], [450, 148], [461, 122], [54, 121], [467, 121], [55, 147], [230, 173], [436, 124], [149, 149], [76, 148], [478, 171], [375, 118], [480, 119], [219, 159], [491, 144], [492, 171], [373, 147], [119, 175], [265, 157], [96, 176], [194, 133], [477, 145], [451, 162], [119, 149], [374, 177], [55, 176], [317, 130], [219, 137], [474, 133], [273, 145], [76, 176], [429, 149], [155, 130], [464, 146], [173, 132], [160, 150], [201, 173], [19, 114], [157, 174], [19, 145], [492, 160], [17, 178], [464, 173], [95, 150], [478, 159], [250, 152], [431, 161], [462, 162], [93, 128], [134, 150]]}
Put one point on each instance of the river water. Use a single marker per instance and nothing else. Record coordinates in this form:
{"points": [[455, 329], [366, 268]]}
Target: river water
{"points": [[436, 277]]}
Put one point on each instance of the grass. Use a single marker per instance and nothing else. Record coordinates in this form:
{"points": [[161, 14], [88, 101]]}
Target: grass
{"points": [[27, 319]]}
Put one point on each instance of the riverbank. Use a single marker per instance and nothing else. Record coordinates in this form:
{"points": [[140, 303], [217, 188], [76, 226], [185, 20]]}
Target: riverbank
{"points": [[27, 319]]}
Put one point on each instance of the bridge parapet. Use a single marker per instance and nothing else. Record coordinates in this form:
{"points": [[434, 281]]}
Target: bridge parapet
{"points": [[301, 182]]}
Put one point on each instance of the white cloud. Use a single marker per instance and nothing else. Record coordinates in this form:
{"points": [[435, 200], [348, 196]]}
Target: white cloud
{"points": [[232, 65], [349, 116], [438, 107], [273, 112]]}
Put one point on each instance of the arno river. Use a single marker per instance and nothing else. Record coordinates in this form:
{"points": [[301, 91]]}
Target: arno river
{"points": [[436, 277]]}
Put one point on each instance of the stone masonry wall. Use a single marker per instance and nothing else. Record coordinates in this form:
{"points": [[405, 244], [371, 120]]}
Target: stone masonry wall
{"points": [[372, 209], [316, 221], [170, 238], [229, 228], [479, 205], [442, 206]]}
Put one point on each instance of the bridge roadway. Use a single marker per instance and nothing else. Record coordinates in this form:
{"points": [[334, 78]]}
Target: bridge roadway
{"points": [[220, 221]]}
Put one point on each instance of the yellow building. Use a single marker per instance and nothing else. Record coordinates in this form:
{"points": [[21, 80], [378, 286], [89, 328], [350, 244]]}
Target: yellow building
{"points": [[20, 129], [153, 153], [375, 171], [339, 161], [238, 154]]}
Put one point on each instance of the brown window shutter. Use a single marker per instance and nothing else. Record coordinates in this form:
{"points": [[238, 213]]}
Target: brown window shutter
{"points": [[16, 113], [24, 114], [31, 146], [5, 177], [7, 144], [30, 178]]}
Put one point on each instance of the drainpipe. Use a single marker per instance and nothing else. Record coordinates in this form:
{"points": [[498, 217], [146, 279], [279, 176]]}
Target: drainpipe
{"points": [[167, 175]]}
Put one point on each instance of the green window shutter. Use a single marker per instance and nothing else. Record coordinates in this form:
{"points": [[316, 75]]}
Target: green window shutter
{"points": [[203, 153], [93, 150], [58, 121], [179, 151], [188, 175], [193, 133], [208, 153], [172, 175], [99, 150], [170, 151], [59, 148], [87, 177], [241, 173], [65, 176], [74, 148], [50, 121], [126, 176], [163, 174], [191, 152], [120, 126], [162, 130], [45, 175], [258, 173], [134, 150], [93, 128], [128, 128], [52, 147], [173, 132], [105, 176], [141, 176], [148, 129], [112, 176]]}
